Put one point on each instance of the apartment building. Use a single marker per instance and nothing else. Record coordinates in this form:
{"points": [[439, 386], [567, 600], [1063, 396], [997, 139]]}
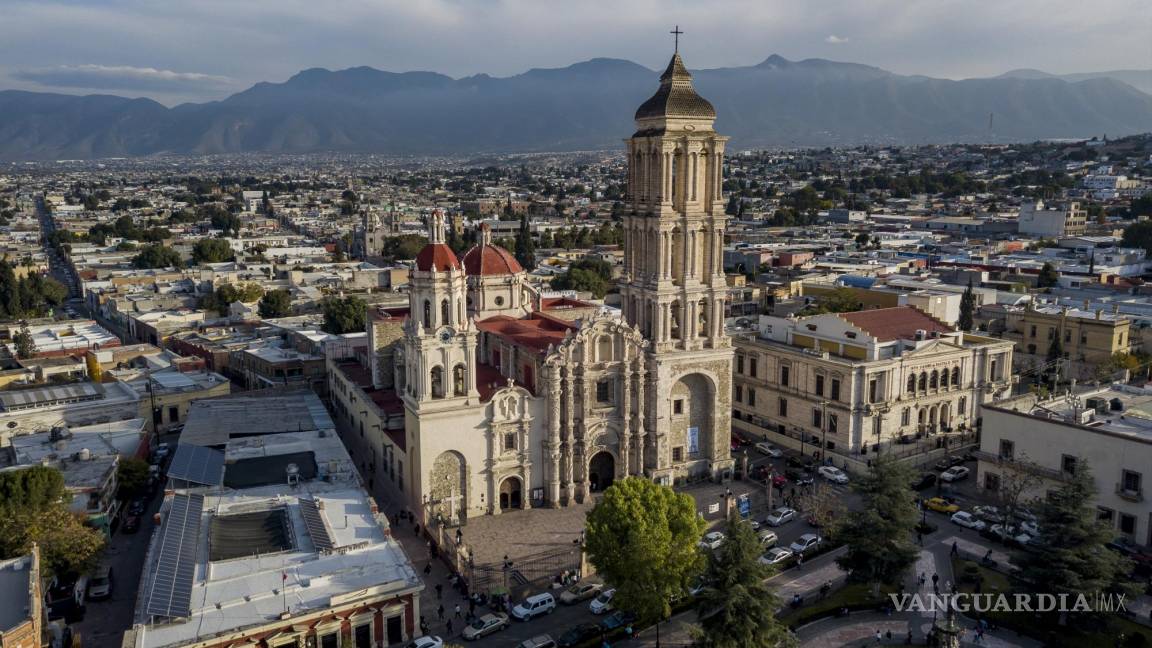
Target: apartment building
{"points": [[1085, 338], [861, 382], [1045, 221], [1107, 430]]}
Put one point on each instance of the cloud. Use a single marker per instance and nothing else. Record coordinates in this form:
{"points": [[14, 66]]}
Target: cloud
{"points": [[122, 77], [835, 40]]}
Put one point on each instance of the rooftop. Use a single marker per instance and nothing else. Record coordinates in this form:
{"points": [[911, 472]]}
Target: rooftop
{"points": [[15, 590], [1118, 408], [215, 421], [900, 322]]}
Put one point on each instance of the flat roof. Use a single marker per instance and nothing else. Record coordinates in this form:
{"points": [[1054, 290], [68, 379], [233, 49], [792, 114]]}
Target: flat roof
{"points": [[1132, 418], [15, 590], [213, 422]]}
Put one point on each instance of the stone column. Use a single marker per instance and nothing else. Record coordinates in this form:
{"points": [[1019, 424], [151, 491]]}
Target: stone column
{"points": [[625, 417], [554, 438], [641, 388], [569, 433]]}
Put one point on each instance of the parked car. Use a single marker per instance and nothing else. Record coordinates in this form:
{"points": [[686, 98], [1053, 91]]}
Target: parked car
{"points": [[131, 524], [955, 473], [485, 626], [804, 463], [805, 543], [137, 507], [1140, 555], [940, 505], [753, 523], [797, 477], [616, 620], [100, 584], [780, 516], [580, 592], [775, 556], [988, 514], [534, 606], [602, 604], [925, 480], [578, 634], [539, 641], [766, 448], [427, 641], [712, 540], [161, 452], [1008, 534], [768, 539], [833, 474], [739, 441], [968, 521], [947, 462]]}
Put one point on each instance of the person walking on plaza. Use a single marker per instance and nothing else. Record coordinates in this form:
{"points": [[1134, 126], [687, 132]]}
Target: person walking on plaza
{"points": [[457, 610], [440, 611], [955, 549]]}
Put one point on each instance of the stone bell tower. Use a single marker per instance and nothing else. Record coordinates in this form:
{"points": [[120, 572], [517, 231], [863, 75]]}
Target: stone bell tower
{"points": [[673, 286]]}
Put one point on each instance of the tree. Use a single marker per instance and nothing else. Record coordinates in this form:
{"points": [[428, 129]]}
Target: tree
{"points": [[967, 309], [1017, 479], [1067, 556], [525, 246], [406, 246], [275, 303], [879, 535], [131, 477], [824, 506], [586, 275], [862, 240], [737, 607], [643, 537], [34, 509], [157, 255], [1048, 276], [839, 300], [212, 250], [25, 345], [344, 315]]}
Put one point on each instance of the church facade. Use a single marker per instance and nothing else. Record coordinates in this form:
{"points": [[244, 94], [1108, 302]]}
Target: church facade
{"points": [[487, 396]]}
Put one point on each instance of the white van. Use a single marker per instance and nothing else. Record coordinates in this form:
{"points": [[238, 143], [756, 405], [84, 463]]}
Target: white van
{"points": [[534, 606]]}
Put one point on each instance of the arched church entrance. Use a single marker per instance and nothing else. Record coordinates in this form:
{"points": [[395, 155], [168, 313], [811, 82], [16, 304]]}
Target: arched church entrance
{"points": [[511, 493], [601, 471]]}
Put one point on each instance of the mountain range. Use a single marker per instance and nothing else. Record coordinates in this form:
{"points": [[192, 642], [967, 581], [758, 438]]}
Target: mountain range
{"points": [[588, 105]]}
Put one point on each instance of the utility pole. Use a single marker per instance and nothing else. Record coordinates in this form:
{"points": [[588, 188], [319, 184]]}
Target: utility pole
{"points": [[823, 431], [152, 401]]}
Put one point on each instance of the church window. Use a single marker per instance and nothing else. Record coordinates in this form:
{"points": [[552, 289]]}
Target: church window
{"points": [[702, 320], [604, 391], [675, 320], [444, 317], [437, 382], [678, 454], [427, 314], [678, 406], [499, 301], [604, 348], [458, 386], [509, 440]]}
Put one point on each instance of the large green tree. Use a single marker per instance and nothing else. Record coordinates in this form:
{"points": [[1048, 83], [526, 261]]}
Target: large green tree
{"points": [[586, 275], [25, 346], [1048, 276], [642, 537], [212, 250], [967, 309], [1139, 234], [879, 534], [131, 477], [737, 608], [157, 255], [525, 245], [275, 303], [1068, 557], [344, 314], [34, 509]]}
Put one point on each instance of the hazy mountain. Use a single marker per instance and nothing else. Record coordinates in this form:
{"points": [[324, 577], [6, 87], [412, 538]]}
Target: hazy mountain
{"points": [[588, 105], [1139, 79]]}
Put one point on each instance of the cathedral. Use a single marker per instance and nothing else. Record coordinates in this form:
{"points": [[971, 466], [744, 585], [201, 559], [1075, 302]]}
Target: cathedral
{"points": [[489, 396]]}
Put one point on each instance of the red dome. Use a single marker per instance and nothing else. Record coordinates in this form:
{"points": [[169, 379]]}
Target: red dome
{"points": [[487, 259], [436, 256]]}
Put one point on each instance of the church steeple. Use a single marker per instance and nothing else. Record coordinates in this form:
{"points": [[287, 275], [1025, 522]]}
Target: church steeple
{"points": [[676, 98]]}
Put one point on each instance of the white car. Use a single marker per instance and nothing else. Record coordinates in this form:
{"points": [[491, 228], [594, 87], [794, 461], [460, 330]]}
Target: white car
{"points": [[1031, 528], [485, 626], [1010, 533], [775, 556], [428, 641], [753, 523], [768, 539], [805, 543], [580, 592], [955, 473], [766, 448], [780, 516], [602, 604], [712, 540], [988, 513], [967, 520], [833, 474]]}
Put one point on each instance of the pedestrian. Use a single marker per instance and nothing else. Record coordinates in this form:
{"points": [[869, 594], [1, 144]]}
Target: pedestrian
{"points": [[935, 579], [457, 610], [799, 561], [471, 606], [908, 639], [423, 625], [448, 627], [955, 549], [878, 636], [948, 587], [923, 578], [428, 568], [628, 631], [439, 591], [440, 612], [416, 530]]}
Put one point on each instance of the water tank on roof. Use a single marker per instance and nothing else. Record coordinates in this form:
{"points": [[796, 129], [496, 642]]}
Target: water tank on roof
{"points": [[84, 455]]}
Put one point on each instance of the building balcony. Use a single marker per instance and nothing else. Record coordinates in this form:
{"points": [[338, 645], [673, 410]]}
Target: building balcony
{"points": [[1129, 494]]}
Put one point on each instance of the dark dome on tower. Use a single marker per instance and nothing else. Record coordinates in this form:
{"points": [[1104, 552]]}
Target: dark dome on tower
{"points": [[676, 96]]}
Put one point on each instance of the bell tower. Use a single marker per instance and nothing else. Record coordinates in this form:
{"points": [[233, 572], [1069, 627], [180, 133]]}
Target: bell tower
{"points": [[673, 286], [439, 339]]}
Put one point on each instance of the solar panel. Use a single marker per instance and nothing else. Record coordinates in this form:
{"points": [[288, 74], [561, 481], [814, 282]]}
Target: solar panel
{"points": [[314, 520], [198, 464], [171, 594]]}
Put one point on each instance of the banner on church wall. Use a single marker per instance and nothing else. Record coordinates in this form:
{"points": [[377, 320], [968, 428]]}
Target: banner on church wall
{"points": [[693, 440]]}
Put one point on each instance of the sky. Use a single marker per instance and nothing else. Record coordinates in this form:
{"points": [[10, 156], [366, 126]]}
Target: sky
{"points": [[202, 50]]}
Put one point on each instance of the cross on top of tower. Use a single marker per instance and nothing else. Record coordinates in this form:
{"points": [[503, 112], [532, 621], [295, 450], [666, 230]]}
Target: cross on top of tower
{"points": [[676, 36]]}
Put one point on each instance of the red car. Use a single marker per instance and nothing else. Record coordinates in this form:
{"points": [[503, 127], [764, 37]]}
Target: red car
{"points": [[131, 524]]}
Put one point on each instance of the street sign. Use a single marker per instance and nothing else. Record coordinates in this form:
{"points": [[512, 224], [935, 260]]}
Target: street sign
{"points": [[744, 505]]}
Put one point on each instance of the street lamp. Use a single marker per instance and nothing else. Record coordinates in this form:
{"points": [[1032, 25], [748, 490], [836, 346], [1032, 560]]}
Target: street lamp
{"points": [[823, 430]]}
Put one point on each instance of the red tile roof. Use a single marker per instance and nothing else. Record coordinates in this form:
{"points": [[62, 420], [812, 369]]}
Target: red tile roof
{"points": [[563, 303], [533, 333], [900, 322], [436, 256], [488, 259]]}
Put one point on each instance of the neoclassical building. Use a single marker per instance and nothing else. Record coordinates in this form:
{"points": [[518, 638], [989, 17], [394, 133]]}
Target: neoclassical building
{"points": [[485, 395]]}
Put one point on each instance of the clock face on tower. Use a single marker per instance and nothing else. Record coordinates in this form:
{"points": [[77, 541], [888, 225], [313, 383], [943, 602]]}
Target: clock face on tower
{"points": [[446, 335]]}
